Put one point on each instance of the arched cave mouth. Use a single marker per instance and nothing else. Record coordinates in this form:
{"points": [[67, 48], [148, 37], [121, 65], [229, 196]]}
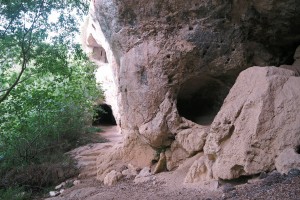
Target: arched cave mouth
{"points": [[200, 98], [103, 115]]}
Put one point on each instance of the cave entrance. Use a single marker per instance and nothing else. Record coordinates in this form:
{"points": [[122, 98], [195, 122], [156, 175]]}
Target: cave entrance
{"points": [[103, 115], [200, 98]]}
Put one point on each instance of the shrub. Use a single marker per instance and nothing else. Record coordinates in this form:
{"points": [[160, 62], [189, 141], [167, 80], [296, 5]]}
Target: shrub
{"points": [[45, 117]]}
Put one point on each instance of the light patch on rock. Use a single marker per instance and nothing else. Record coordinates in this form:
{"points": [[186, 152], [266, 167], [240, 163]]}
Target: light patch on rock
{"points": [[131, 171], [60, 186], [112, 178], [53, 193], [199, 171], [76, 182], [144, 176], [288, 159], [193, 139]]}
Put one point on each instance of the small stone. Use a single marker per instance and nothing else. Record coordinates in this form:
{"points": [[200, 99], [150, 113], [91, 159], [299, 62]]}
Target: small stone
{"points": [[141, 179], [130, 171], [53, 193], [253, 180], [228, 188], [263, 175], [76, 182], [294, 173], [60, 186], [61, 191], [112, 178], [144, 172], [162, 164], [124, 167]]}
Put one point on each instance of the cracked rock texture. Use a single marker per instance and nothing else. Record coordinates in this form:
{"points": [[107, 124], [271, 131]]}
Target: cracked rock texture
{"points": [[161, 53], [258, 120]]}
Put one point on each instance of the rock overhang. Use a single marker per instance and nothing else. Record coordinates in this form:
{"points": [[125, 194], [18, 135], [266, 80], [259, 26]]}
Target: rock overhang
{"points": [[154, 48]]}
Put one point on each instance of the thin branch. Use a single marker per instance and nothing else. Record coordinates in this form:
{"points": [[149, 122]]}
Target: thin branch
{"points": [[11, 21], [24, 65], [24, 53], [21, 81]]}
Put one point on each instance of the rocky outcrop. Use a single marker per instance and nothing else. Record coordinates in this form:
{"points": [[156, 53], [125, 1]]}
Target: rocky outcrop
{"points": [[257, 123], [173, 62]]}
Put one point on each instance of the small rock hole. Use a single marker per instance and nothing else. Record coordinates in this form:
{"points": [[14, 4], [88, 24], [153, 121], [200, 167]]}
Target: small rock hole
{"points": [[191, 28], [168, 56]]}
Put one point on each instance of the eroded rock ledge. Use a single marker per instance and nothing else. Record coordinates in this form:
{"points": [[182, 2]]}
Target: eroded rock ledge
{"points": [[172, 64]]}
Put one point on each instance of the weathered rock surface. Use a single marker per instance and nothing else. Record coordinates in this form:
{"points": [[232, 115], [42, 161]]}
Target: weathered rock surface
{"points": [[130, 171], [257, 122], [199, 171], [287, 160], [112, 178], [158, 49], [161, 165], [144, 176]]}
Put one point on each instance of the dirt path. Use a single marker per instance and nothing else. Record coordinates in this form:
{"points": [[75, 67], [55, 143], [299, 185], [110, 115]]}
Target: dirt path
{"points": [[168, 185], [86, 156]]}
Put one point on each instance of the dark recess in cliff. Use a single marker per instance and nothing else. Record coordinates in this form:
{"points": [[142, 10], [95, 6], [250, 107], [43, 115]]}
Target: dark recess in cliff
{"points": [[103, 115], [200, 98]]}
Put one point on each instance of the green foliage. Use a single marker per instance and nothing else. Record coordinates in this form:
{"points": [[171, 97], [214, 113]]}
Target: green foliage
{"points": [[44, 112], [25, 29], [14, 194], [47, 84]]}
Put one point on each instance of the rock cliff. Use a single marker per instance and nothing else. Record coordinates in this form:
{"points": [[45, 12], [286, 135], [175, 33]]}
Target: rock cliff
{"points": [[172, 64]]}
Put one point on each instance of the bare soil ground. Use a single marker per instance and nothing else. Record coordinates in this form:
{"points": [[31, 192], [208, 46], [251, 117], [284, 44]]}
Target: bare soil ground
{"points": [[170, 185]]}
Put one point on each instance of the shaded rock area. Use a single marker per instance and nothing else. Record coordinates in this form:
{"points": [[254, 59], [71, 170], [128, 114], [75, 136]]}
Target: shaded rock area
{"points": [[172, 63]]}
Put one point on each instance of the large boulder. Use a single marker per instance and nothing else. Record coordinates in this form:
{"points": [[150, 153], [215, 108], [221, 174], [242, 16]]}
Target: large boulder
{"points": [[258, 121]]}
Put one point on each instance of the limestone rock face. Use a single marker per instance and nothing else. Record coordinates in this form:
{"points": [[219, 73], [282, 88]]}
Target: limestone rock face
{"points": [[257, 122], [155, 47], [199, 171], [174, 61], [287, 160]]}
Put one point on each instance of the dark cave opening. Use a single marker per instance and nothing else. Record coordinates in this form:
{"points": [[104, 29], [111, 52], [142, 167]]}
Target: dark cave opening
{"points": [[200, 98], [297, 149], [103, 115]]}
